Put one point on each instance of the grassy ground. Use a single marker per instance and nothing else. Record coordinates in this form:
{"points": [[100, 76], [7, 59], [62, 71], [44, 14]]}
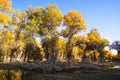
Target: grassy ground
{"points": [[77, 75], [99, 74]]}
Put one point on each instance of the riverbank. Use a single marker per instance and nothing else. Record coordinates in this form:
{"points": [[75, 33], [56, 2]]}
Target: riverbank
{"points": [[84, 73], [77, 75]]}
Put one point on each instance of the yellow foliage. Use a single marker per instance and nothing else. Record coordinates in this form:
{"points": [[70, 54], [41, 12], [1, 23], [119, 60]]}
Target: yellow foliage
{"points": [[104, 42], [5, 6], [9, 35], [37, 43], [108, 54], [81, 38], [4, 18], [18, 13], [21, 15], [53, 17], [60, 43], [94, 36], [75, 50], [74, 20], [20, 44], [33, 22], [7, 40], [14, 20], [21, 35]]}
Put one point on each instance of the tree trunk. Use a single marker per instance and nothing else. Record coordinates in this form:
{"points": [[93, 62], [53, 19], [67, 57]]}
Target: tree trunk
{"points": [[11, 57], [25, 57], [101, 56], [84, 56], [118, 56], [69, 48], [5, 58], [19, 56]]}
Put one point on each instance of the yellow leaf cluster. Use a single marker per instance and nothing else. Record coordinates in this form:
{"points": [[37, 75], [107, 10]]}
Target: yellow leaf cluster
{"points": [[53, 16], [81, 38], [21, 35], [21, 15], [74, 19], [60, 43], [9, 35], [75, 50], [5, 6], [94, 36], [37, 43], [33, 22], [7, 40], [14, 20], [4, 19], [20, 44], [108, 54]]}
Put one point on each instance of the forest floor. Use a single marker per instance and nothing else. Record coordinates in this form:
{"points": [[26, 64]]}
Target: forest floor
{"points": [[83, 74]]}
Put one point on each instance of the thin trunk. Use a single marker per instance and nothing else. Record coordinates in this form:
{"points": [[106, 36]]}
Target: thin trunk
{"points": [[118, 56], [25, 57], [19, 56], [5, 58], [84, 56], [11, 57]]}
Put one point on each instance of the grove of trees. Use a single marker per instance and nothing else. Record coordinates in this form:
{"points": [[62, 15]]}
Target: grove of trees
{"points": [[33, 36]]}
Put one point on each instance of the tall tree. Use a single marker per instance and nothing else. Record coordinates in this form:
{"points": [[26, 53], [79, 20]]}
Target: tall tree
{"points": [[6, 36], [74, 23], [26, 26], [92, 42], [61, 48], [116, 45], [6, 43], [81, 43], [97, 42], [51, 20]]}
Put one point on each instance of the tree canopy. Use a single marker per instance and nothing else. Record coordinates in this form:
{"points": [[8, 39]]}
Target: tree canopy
{"points": [[33, 35]]}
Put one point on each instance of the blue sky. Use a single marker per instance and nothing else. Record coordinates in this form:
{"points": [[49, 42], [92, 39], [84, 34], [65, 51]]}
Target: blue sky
{"points": [[101, 14]]}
